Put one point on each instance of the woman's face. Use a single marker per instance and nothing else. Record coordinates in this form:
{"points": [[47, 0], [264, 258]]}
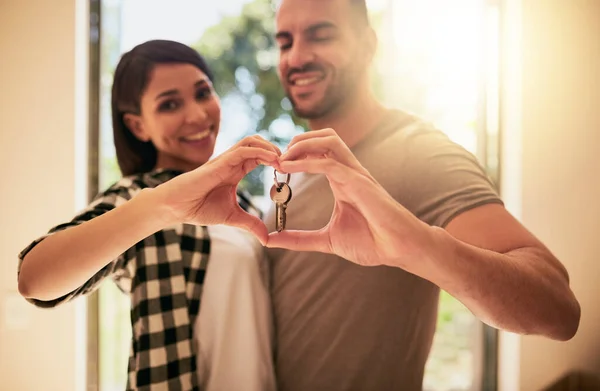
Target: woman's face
{"points": [[180, 115]]}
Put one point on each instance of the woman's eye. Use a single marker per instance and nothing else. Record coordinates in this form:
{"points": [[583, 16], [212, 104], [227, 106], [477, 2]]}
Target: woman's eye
{"points": [[168, 105], [203, 93]]}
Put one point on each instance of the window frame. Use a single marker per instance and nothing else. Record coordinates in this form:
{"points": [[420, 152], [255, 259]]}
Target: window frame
{"points": [[93, 172]]}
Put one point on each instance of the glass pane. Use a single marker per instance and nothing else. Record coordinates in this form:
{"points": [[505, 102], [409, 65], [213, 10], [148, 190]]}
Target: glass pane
{"points": [[439, 60], [114, 340]]}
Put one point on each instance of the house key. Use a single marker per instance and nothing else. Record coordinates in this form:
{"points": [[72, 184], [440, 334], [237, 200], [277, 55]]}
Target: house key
{"points": [[281, 194]]}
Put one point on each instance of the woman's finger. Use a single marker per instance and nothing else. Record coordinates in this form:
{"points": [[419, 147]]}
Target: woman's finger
{"points": [[243, 154], [241, 219], [233, 165], [257, 141]]}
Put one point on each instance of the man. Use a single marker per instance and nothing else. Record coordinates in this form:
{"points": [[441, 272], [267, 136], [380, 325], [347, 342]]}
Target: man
{"points": [[385, 210]]}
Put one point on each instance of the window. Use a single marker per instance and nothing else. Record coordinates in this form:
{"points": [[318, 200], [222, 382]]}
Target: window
{"points": [[437, 59]]}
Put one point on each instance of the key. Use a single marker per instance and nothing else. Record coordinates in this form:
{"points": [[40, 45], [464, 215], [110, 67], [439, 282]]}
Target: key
{"points": [[281, 194]]}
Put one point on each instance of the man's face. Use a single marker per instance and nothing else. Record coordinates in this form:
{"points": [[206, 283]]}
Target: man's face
{"points": [[321, 55]]}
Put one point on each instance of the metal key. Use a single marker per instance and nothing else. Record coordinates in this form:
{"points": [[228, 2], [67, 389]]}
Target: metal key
{"points": [[281, 194]]}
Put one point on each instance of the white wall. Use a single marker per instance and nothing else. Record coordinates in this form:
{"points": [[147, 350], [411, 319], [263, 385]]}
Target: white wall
{"points": [[559, 184], [38, 69]]}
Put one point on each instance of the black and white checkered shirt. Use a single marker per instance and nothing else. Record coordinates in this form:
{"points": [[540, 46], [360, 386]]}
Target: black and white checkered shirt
{"points": [[163, 275]]}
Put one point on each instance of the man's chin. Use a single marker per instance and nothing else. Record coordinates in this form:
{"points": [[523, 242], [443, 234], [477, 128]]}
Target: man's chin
{"points": [[312, 111]]}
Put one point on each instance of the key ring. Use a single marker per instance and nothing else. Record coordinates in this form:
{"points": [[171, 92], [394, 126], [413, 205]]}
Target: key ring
{"points": [[279, 184]]}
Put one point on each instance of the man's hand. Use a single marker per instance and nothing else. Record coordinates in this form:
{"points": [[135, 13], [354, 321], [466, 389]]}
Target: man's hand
{"points": [[366, 221], [485, 258]]}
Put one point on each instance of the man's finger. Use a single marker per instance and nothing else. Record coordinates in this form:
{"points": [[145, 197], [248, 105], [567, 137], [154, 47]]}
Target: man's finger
{"points": [[328, 166], [300, 240], [331, 147], [313, 146], [312, 134]]}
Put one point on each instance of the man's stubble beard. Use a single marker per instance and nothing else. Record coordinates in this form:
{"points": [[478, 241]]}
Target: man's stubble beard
{"points": [[334, 98]]}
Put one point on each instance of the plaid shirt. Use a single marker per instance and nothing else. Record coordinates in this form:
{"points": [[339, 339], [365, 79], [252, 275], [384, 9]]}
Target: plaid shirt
{"points": [[163, 275]]}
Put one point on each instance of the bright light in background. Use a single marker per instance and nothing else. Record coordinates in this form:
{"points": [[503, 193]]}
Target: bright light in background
{"points": [[178, 20], [377, 5], [440, 59], [442, 41]]}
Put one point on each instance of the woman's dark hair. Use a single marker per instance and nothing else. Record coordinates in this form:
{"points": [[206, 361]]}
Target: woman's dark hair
{"points": [[130, 81]]}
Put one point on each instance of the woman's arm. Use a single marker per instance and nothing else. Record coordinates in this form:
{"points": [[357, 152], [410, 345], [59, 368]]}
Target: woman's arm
{"points": [[67, 259]]}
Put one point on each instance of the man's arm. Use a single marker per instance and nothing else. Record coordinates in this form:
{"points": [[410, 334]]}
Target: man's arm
{"points": [[483, 256], [503, 274]]}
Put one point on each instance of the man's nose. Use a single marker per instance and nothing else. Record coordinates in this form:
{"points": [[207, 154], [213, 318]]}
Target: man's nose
{"points": [[299, 55]]}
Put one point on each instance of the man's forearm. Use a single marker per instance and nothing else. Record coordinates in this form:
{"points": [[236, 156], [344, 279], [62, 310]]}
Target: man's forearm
{"points": [[519, 291]]}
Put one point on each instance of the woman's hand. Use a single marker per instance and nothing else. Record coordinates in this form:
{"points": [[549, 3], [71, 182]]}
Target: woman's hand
{"points": [[207, 195]]}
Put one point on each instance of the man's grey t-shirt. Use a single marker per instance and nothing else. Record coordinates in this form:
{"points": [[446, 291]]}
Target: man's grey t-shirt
{"points": [[343, 327]]}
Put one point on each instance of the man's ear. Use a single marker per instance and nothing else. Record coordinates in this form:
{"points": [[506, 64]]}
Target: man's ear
{"points": [[134, 123], [370, 44]]}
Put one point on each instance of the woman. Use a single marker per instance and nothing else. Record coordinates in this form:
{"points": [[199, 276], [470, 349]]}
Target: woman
{"points": [[149, 233]]}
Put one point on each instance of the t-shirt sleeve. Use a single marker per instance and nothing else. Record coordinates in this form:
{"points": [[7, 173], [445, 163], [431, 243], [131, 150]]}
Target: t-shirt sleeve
{"points": [[445, 179], [118, 268]]}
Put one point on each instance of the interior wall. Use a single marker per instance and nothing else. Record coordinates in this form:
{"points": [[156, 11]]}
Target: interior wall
{"points": [[41, 124]]}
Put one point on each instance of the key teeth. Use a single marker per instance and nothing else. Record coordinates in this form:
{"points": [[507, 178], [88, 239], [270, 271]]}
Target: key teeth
{"points": [[277, 192]]}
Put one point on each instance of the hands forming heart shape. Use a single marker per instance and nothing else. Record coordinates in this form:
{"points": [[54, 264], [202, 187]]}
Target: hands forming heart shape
{"points": [[367, 225]]}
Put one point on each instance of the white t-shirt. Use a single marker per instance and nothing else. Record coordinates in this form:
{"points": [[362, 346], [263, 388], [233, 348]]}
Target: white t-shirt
{"points": [[234, 329]]}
